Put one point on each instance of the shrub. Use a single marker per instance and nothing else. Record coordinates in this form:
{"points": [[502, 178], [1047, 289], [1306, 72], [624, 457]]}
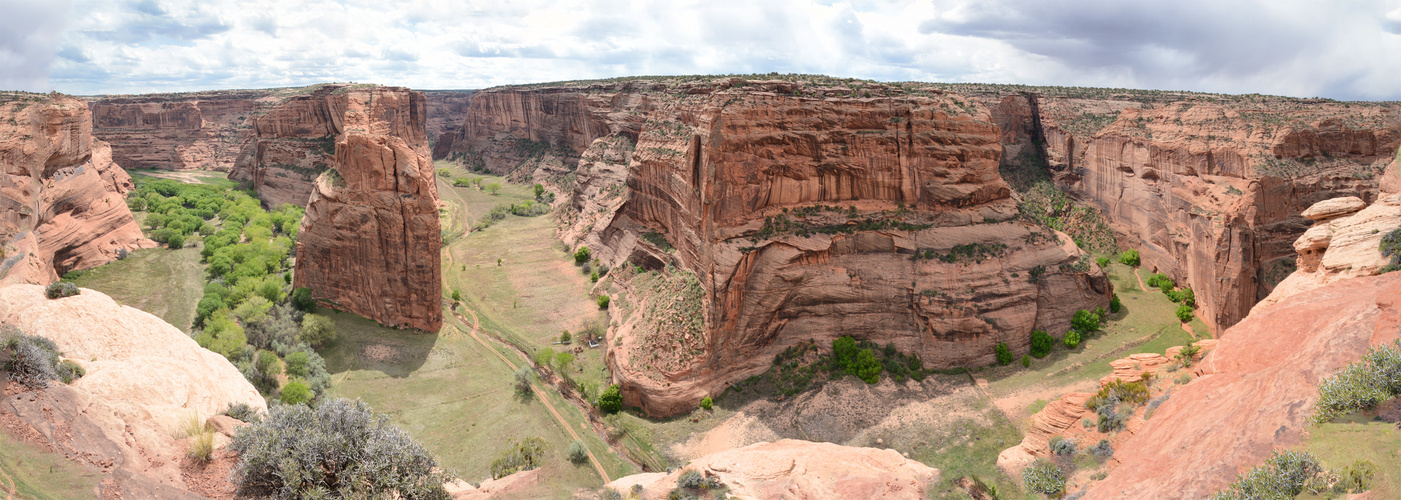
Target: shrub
{"points": [[1283, 475], [519, 455], [241, 411], [1103, 262], [68, 371], [1373, 379], [1044, 477], [296, 392], [1004, 354], [539, 190], [1085, 321], [33, 359], [581, 255], [222, 334], [867, 368], [443, 172], [1072, 339], [611, 401], [61, 289], [1183, 296], [1129, 257], [1184, 313], [1357, 477], [1062, 446], [317, 330], [603, 301], [296, 364], [456, 295], [576, 452], [1026, 361], [565, 336], [1103, 449], [1119, 391], [707, 403], [1114, 304], [301, 298], [1188, 352], [202, 446], [340, 448], [1391, 248], [1041, 343], [523, 377]]}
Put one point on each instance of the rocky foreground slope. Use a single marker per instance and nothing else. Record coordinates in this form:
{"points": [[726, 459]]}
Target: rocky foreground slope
{"points": [[777, 214], [370, 240], [62, 204], [1210, 188], [144, 378]]}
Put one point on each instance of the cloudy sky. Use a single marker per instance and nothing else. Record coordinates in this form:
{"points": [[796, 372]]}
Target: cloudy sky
{"points": [[1306, 48]]}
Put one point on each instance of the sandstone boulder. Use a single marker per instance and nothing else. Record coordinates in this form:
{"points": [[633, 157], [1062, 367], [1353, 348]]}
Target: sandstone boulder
{"points": [[793, 469], [1334, 207], [1340, 248], [144, 379]]}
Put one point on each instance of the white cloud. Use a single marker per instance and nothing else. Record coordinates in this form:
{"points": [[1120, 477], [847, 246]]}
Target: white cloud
{"points": [[1295, 47]]}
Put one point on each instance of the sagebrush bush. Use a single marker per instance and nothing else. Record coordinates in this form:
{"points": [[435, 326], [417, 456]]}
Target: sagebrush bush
{"points": [[241, 411], [1373, 379], [1283, 475], [1103, 449], [34, 360], [576, 453], [61, 289], [523, 377], [1062, 446], [519, 455], [1044, 477], [339, 449]]}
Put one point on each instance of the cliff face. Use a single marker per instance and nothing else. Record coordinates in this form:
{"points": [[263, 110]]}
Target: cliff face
{"points": [[63, 197], [370, 240], [772, 218], [185, 131], [1209, 188], [445, 110], [295, 140]]}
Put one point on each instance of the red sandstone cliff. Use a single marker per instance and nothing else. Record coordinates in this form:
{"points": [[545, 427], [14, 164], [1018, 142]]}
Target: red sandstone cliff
{"points": [[293, 142], [803, 212], [62, 196], [370, 240], [184, 131], [445, 110], [1209, 188]]}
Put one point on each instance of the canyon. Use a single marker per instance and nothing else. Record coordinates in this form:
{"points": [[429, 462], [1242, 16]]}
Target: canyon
{"points": [[62, 195], [781, 214], [1209, 188]]}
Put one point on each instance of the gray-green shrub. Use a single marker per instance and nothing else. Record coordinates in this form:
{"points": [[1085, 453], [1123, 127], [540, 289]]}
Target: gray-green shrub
{"points": [[1044, 477], [519, 455], [1282, 476], [576, 453], [33, 359], [340, 449], [1373, 379], [61, 289]]}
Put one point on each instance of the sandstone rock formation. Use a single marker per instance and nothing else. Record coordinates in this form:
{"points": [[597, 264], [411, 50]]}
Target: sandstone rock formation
{"points": [[1208, 187], [143, 377], [62, 204], [294, 141], [445, 109], [781, 213], [1345, 242], [370, 240], [793, 469], [182, 131], [1256, 391]]}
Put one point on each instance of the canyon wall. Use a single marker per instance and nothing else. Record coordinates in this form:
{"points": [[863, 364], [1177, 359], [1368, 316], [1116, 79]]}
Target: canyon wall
{"points": [[62, 199], [184, 131], [294, 141], [370, 240], [445, 110], [771, 213], [1210, 188]]}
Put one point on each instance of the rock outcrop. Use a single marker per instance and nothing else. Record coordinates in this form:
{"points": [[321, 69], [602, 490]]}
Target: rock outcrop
{"points": [[182, 131], [1256, 390], [445, 109], [370, 240], [1344, 242], [144, 377], [1210, 188], [793, 469], [774, 213], [62, 205], [294, 141]]}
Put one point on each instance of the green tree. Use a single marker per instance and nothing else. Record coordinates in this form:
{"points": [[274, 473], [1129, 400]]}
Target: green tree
{"points": [[707, 403], [581, 255], [1129, 257], [493, 188], [611, 401], [544, 357], [1103, 262], [1041, 343], [844, 352], [1115, 305], [867, 368], [297, 364], [1004, 354], [301, 299], [603, 301], [296, 392], [175, 241], [222, 334], [1072, 339], [565, 336], [456, 295], [1184, 313], [317, 330], [1085, 321], [207, 305], [562, 360], [443, 172], [253, 310], [539, 191]]}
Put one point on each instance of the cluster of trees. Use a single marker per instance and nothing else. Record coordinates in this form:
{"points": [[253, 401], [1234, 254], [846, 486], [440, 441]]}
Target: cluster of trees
{"points": [[1184, 297], [246, 313], [1082, 325]]}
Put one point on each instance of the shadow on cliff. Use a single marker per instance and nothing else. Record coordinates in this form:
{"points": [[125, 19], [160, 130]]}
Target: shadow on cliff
{"points": [[362, 344]]}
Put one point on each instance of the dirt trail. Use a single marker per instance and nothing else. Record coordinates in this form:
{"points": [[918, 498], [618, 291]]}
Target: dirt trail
{"points": [[1141, 286], [10, 489]]}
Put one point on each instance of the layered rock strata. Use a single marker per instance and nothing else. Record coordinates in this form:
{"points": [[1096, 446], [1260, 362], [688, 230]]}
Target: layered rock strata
{"points": [[445, 109], [772, 215], [1209, 188], [183, 131], [294, 141], [62, 199], [1344, 242], [370, 240], [144, 379], [797, 469]]}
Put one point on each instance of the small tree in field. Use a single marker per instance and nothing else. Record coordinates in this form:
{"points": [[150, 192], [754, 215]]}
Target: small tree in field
{"points": [[611, 401], [1004, 354], [493, 188]]}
